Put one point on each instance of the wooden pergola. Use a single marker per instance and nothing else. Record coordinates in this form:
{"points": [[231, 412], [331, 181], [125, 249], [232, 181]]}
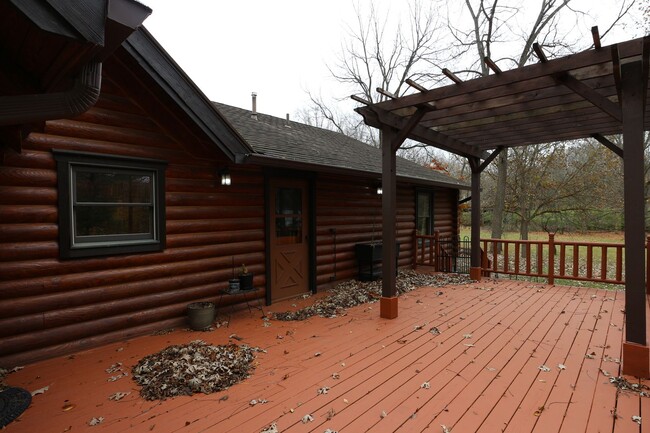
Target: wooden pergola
{"points": [[595, 93]]}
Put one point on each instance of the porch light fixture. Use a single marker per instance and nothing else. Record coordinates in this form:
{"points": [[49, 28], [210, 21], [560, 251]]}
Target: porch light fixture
{"points": [[225, 177], [380, 191]]}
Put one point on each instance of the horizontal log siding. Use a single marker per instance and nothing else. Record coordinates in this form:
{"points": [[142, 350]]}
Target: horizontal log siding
{"points": [[445, 212], [50, 307], [348, 212]]}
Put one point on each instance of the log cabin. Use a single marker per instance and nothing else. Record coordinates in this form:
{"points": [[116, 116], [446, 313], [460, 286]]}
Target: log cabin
{"points": [[126, 194]]}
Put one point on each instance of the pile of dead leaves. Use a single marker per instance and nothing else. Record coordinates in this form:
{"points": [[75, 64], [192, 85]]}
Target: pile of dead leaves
{"points": [[623, 384], [193, 368], [353, 293]]}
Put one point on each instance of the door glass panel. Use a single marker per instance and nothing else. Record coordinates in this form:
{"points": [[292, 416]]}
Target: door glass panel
{"points": [[288, 215]]}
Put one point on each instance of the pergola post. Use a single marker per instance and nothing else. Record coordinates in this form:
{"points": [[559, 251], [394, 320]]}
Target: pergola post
{"points": [[475, 258], [636, 355], [388, 301]]}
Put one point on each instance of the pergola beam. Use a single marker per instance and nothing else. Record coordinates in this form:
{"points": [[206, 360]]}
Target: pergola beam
{"points": [[608, 144], [591, 95]]}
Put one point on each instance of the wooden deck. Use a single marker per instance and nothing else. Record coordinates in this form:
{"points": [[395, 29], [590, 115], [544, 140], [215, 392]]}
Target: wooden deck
{"points": [[482, 370]]}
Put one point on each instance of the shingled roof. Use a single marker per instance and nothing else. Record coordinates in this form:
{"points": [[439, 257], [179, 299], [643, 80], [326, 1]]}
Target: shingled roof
{"points": [[299, 146]]}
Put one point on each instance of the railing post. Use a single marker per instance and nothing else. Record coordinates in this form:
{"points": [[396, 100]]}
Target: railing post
{"points": [[647, 266], [551, 258], [436, 239]]}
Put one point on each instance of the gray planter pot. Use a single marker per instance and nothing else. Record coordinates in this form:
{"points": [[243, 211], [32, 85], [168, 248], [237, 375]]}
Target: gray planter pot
{"points": [[200, 315]]}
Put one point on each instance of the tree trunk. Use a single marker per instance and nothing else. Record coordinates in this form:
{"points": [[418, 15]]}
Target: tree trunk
{"points": [[500, 197]]}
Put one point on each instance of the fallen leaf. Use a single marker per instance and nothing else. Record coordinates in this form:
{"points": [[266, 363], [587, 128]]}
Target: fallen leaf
{"points": [[468, 345], [434, 331], [118, 396], [335, 376], [539, 411], [323, 390], [273, 428], [307, 418], [425, 385], [383, 414], [40, 391], [445, 429], [96, 421], [636, 419], [544, 368], [236, 337], [561, 366], [466, 336], [68, 407]]}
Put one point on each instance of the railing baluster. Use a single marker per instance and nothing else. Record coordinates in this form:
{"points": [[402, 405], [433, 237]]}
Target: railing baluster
{"points": [[517, 258], [590, 253], [603, 262], [562, 259], [528, 264], [505, 257], [576, 256], [619, 263]]}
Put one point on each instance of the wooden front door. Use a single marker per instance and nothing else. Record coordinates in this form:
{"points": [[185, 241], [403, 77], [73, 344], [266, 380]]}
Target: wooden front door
{"points": [[289, 246]]}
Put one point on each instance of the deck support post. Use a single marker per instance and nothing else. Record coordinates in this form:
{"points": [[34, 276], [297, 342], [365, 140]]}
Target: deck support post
{"points": [[475, 257], [391, 139], [636, 355], [388, 301]]}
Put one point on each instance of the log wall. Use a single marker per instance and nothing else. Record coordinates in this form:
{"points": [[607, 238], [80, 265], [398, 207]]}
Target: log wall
{"points": [[50, 307]]}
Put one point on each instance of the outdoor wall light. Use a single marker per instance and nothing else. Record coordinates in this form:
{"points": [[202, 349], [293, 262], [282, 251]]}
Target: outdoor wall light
{"points": [[225, 177], [379, 190]]}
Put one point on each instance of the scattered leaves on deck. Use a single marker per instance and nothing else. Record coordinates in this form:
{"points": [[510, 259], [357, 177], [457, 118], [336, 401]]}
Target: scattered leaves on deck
{"points": [[273, 428], [96, 421], [40, 391], [623, 384], [192, 368], [352, 293], [118, 395]]}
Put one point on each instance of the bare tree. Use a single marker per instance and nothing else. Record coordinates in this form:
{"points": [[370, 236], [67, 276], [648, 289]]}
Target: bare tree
{"points": [[381, 51]]}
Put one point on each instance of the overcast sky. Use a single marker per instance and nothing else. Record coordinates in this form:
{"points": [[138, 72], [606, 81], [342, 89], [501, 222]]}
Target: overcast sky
{"points": [[277, 48]]}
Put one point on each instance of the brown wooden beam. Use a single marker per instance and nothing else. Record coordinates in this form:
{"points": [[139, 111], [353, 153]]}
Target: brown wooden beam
{"points": [[585, 59], [493, 66], [451, 76], [388, 204], [416, 85], [489, 159], [360, 100], [424, 135], [616, 71], [591, 95], [633, 165], [539, 52], [596, 37], [475, 241], [386, 93], [608, 144], [404, 132]]}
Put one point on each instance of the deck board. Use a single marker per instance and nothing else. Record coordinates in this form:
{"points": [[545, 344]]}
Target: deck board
{"points": [[482, 370]]}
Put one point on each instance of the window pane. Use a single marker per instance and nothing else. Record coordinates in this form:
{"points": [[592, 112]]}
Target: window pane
{"points": [[113, 187], [288, 215], [288, 201], [113, 220], [424, 214]]}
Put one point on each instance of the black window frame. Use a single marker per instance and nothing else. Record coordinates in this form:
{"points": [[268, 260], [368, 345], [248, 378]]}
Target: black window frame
{"points": [[72, 247], [432, 196]]}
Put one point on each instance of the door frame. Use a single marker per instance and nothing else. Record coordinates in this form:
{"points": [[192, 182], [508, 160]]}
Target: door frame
{"points": [[289, 175]]}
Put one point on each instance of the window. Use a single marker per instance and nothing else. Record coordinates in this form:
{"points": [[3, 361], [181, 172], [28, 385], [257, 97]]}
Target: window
{"points": [[424, 213], [109, 204]]}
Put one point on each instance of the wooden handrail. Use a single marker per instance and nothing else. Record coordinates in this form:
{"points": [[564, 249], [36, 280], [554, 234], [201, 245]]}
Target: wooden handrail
{"points": [[553, 259]]}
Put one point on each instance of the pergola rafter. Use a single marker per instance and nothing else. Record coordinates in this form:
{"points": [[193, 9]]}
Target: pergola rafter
{"points": [[594, 93]]}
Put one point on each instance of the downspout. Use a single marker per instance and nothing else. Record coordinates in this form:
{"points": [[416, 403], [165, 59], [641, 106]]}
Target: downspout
{"points": [[22, 109]]}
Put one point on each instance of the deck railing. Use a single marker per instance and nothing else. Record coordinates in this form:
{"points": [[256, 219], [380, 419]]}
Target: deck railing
{"points": [[598, 262]]}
